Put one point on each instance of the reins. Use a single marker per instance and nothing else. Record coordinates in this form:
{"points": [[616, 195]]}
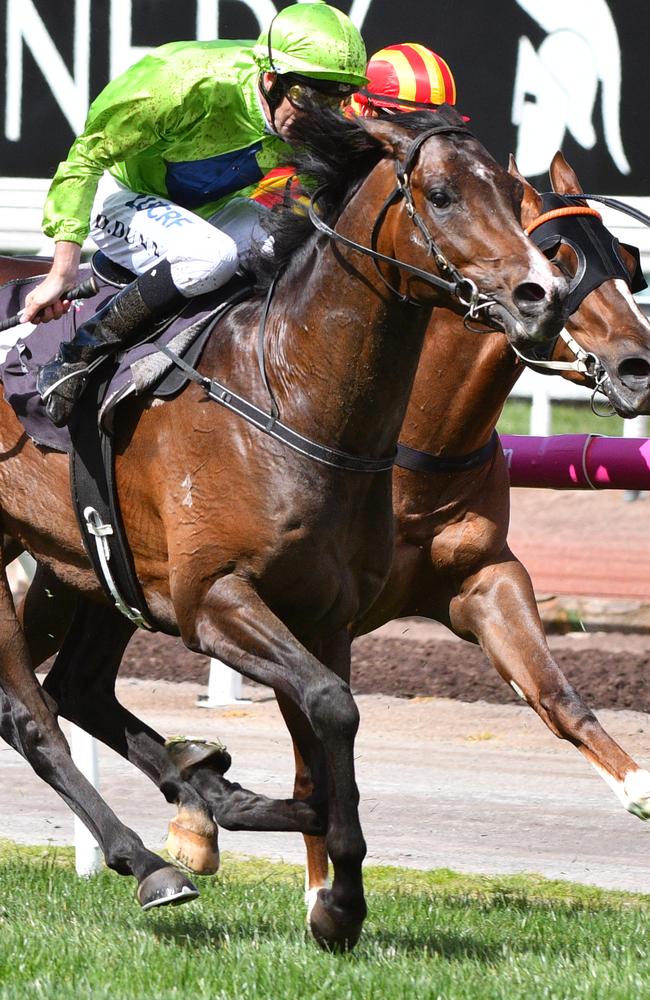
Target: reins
{"points": [[460, 288], [585, 363]]}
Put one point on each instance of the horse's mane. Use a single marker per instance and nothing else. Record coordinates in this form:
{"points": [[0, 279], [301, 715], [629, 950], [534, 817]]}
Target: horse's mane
{"points": [[335, 153]]}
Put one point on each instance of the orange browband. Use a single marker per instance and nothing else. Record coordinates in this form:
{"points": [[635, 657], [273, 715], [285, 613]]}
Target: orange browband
{"points": [[556, 213]]}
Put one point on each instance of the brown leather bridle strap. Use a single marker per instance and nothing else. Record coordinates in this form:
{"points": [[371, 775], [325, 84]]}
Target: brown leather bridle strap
{"points": [[557, 213]]}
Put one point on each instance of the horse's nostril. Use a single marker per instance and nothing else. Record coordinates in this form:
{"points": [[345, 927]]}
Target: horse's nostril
{"points": [[527, 292], [634, 371]]}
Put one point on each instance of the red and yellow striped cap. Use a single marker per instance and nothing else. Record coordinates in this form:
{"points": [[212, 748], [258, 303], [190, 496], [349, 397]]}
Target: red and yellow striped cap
{"points": [[406, 77]]}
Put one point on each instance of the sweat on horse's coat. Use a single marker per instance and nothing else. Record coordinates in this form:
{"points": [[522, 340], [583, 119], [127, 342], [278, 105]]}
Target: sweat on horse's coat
{"points": [[277, 554]]}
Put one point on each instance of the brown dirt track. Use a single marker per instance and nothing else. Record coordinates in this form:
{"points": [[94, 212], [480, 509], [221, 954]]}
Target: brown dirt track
{"points": [[572, 543], [611, 677]]}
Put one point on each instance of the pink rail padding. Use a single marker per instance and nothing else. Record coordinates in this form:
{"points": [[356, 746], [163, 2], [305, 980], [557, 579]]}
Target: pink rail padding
{"points": [[578, 462]]}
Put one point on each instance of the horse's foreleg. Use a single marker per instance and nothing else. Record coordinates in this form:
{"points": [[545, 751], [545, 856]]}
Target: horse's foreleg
{"points": [[27, 724], [496, 606], [237, 627], [310, 777], [309, 783]]}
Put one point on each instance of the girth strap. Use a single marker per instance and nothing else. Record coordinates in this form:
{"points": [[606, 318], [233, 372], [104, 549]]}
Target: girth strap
{"points": [[94, 495], [422, 461]]}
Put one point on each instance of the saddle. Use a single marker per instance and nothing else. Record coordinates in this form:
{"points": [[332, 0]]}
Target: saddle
{"points": [[88, 439], [141, 368]]}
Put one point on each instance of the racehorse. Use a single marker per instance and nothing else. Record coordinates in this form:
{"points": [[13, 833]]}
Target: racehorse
{"points": [[451, 561], [252, 551]]}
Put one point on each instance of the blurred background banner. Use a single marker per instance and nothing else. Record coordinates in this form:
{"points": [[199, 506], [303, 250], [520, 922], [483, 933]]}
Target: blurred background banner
{"points": [[534, 75]]}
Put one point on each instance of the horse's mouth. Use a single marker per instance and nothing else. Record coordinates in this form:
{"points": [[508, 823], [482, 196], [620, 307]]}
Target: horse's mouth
{"points": [[522, 332], [625, 402]]}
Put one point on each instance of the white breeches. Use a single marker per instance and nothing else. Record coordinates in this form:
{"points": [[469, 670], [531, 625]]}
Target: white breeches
{"points": [[138, 230]]}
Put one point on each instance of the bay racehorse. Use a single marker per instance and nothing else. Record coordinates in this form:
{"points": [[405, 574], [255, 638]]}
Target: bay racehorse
{"points": [[253, 552], [451, 561]]}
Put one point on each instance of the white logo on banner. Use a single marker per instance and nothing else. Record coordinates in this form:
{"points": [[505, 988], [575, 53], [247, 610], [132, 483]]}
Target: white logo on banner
{"points": [[26, 31], [557, 85]]}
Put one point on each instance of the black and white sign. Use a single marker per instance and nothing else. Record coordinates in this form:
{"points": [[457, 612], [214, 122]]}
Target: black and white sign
{"points": [[534, 75]]}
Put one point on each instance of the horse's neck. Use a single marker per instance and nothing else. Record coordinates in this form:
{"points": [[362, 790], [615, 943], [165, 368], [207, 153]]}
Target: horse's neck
{"points": [[461, 384], [342, 354]]}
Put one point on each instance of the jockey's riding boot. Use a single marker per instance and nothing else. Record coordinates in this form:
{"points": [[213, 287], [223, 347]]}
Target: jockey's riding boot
{"points": [[147, 299]]}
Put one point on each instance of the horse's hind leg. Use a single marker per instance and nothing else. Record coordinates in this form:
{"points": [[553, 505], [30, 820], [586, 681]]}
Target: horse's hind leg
{"points": [[497, 606], [29, 726], [82, 684], [45, 614]]}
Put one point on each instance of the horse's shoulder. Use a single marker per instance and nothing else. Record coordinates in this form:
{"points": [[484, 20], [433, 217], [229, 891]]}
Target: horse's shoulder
{"points": [[16, 268]]}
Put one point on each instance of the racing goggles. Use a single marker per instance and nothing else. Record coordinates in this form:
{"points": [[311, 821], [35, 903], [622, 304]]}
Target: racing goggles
{"points": [[304, 92]]}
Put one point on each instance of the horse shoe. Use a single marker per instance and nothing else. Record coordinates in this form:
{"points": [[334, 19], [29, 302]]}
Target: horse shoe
{"points": [[165, 887], [186, 754]]}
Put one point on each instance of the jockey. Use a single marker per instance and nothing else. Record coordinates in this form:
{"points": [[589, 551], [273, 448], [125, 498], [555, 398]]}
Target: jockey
{"points": [[167, 146], [405, 77]]}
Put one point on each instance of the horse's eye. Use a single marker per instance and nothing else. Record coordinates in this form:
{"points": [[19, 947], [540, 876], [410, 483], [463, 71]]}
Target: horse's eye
{"points": [[439, 199]]}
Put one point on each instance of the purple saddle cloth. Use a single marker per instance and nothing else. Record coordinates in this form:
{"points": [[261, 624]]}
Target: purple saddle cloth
{"points": [[138, 369]]}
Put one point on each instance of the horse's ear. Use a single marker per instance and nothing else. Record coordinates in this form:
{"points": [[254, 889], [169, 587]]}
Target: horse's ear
{"points": [[530, 202], [394, 139], [513, 169], [563, 177]]}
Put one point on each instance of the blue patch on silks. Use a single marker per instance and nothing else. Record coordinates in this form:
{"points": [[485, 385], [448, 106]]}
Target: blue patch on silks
{"points": [[197, 182]]}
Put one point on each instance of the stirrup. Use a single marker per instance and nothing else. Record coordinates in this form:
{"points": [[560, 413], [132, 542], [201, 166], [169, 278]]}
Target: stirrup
{"points": [[81, 373]]}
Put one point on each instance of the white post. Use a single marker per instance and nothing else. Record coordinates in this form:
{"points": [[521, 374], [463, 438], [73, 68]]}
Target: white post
{"points": [[86, 849], [635, 427], [632, 428], [540, 410], [224, 687]]}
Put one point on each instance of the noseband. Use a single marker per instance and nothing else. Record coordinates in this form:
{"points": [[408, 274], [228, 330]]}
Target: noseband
{"points": [[461, 289]]}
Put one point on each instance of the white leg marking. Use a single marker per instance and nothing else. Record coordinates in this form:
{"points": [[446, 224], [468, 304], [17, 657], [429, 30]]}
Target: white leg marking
{"points": [[633, 791], [515, 687], [312, 894]]}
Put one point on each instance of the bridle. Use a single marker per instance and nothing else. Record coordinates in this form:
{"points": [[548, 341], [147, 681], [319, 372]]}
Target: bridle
{"points": [[461, 289], [590, 242], [596, 250]]}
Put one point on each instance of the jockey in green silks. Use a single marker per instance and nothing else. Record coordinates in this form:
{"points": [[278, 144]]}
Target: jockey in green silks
{"points": [[172, 143]]}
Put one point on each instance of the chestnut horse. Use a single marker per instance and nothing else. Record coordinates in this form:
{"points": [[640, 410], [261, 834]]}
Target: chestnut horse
{"points": [[251, 551], [451, 561]]}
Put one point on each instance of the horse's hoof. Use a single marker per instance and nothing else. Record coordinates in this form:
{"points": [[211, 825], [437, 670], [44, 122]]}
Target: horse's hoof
{"points": [[331, 927], [187, 754], [165, 887], [636, 793], [196, 852]]}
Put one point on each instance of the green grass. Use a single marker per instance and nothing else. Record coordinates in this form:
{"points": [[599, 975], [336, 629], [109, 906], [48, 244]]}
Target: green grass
{"points": [[566, 418], [428, 935]]}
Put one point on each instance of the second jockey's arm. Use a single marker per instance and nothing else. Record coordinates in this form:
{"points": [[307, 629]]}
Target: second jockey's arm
{"points": [[46, 301]]}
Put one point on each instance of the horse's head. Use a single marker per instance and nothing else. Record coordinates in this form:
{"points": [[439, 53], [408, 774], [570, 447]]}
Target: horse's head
{"points": [[421, 193], [608, 341], [455, 214]]}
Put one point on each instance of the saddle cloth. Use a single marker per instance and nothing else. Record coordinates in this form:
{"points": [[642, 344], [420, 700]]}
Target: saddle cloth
{"points": [[142, 367]]}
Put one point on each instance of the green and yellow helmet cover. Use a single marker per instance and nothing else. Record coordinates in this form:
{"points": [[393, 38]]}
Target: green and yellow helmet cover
{"points": [[313, 40]]}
